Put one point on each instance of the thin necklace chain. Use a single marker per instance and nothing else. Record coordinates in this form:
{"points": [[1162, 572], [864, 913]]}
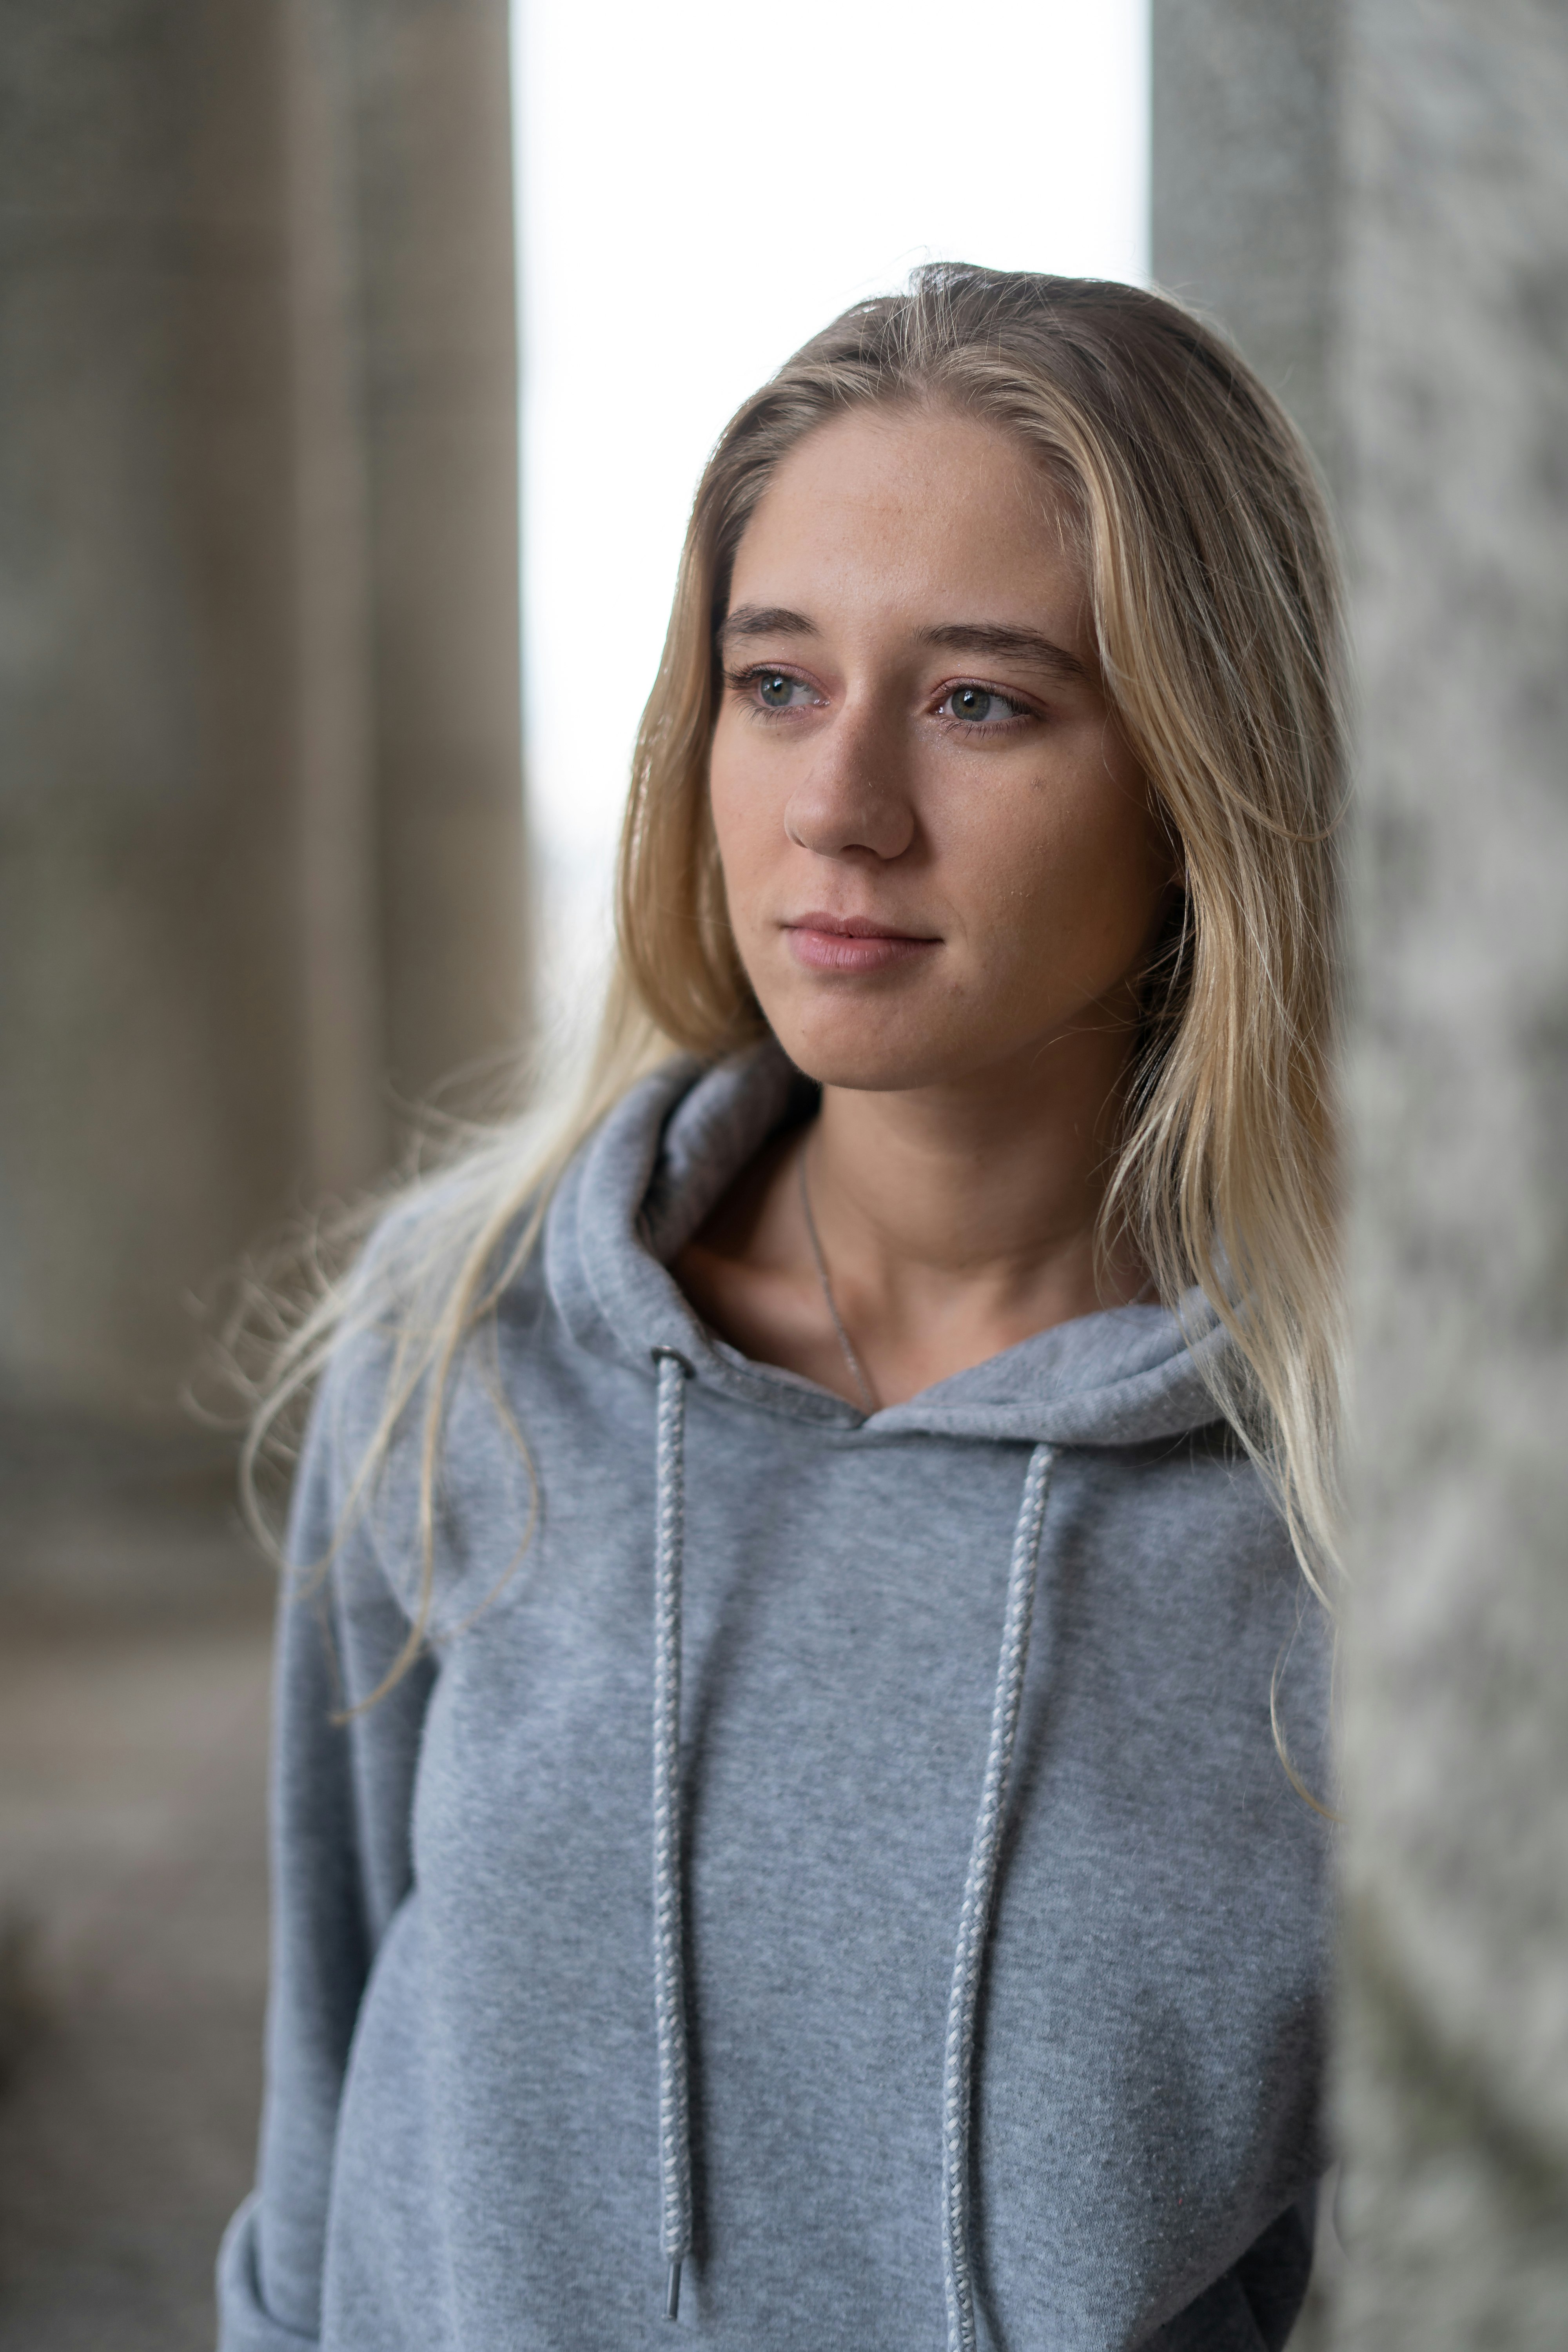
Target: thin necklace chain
{"points": [[857, 1369]]}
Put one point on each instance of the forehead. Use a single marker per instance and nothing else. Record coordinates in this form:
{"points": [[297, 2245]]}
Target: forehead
{"points": [[900, 502]]}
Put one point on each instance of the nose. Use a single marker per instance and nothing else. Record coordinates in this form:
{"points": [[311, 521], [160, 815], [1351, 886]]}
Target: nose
{"points": [[854, 798]]}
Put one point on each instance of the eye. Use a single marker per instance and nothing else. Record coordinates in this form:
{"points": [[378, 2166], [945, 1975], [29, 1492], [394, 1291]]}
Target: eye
{"points": [[777, 692], [978, 706]]}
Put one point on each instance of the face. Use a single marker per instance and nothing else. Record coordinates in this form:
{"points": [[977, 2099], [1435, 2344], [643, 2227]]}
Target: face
{"points": [[940, 856]]}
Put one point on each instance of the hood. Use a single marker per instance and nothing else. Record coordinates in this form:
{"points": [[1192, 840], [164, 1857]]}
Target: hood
{"points": [[659, 1164]]}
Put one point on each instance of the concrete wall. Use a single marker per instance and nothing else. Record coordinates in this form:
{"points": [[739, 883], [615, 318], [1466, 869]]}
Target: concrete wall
{"points": [[259, 800], [1374, 197], [1244, 172], [1453, 2075]]}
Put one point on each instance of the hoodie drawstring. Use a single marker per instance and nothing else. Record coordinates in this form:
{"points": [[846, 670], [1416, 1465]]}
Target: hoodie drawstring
{"points": [[974, 1918], [668, 1941]]}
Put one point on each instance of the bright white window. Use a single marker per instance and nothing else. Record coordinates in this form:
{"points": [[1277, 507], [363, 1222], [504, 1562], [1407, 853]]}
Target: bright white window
{"points": [[699, 188]]}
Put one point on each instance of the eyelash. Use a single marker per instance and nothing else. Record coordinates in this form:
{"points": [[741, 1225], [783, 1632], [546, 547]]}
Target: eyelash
{"points": [[1018, 710], [739, 681]]}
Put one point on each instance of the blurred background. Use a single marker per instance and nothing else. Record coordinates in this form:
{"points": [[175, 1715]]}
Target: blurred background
{"points": [[357, 361]]}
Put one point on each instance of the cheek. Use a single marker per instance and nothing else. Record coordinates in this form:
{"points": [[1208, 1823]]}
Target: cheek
{"points": [[742, 804], [1060, 879], [729, 807]]}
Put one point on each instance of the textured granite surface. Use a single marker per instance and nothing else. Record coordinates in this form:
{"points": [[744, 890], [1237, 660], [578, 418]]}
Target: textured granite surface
{"points": [[1244, 182], [1453, 2073]]}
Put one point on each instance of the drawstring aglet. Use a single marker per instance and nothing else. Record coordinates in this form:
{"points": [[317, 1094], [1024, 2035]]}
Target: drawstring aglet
{"points": [[672, 2291]]}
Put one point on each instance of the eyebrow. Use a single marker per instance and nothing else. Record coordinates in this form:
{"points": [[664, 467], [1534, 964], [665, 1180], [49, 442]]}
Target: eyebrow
{"points": [[987, 637], [956, 637], [766, 620]]}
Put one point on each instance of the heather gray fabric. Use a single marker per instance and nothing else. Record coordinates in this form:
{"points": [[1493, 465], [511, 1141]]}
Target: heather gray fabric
{"points": [[461, 2145]]}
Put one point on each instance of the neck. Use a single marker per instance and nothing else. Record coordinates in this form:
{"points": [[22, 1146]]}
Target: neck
{"points": [[960, 1218], [953, 1222]]}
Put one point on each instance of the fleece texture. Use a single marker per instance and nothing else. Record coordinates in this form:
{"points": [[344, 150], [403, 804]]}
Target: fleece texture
{"points": [[460, 2145]]}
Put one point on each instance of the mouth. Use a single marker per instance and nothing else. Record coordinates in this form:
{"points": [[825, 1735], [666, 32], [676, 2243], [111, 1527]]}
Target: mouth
{"points": [[852, 943]]}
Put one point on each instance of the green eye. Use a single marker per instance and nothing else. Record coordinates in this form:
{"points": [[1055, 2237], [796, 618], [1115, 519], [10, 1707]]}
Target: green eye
{"points": [[775, 689], [978, 703]]}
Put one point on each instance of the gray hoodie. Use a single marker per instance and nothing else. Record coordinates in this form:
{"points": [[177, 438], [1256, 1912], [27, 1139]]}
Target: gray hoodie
{"points": [[741, 1888]]}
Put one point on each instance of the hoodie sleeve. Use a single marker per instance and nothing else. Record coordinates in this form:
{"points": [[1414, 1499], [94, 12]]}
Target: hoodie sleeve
{"points": [[341, 1796]]}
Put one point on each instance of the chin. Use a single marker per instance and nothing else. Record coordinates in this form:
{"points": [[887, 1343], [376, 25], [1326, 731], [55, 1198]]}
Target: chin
{"points": [[856, 1050]]}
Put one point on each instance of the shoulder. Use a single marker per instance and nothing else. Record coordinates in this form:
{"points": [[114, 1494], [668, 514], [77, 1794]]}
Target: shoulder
{"points": [[400, 1377]]}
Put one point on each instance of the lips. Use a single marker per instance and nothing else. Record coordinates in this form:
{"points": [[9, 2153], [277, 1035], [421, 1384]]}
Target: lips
{"points": [[852, 943]]}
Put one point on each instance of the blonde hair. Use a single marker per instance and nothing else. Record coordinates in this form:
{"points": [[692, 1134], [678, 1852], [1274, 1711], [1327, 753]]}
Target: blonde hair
{"points": [[1212, 587]]}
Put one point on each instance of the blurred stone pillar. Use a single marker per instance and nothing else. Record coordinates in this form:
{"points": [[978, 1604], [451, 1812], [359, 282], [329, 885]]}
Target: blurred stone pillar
{"points": [[1244, 179], [1453, 2069], [260, 792], [425, 140]]}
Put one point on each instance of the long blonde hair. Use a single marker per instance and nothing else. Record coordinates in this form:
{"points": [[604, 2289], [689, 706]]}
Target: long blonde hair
{"points": [[1212, 589]]}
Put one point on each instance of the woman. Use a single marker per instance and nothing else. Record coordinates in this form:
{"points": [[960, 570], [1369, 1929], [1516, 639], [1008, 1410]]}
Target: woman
{"points": [[909, 1389]]}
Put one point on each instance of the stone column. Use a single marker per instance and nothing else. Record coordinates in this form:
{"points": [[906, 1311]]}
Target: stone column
{"points": [[258, 640], [1453, 2067], [151, 1114], [1243, 181], [425, 95]]}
